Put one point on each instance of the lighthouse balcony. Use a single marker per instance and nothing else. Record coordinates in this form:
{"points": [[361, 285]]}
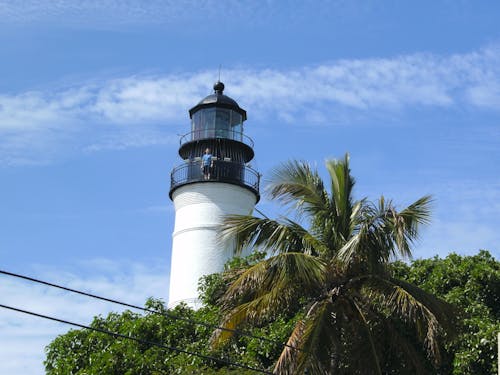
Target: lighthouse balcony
{"points": [[222, 171], [234, 145], [200, 135]]}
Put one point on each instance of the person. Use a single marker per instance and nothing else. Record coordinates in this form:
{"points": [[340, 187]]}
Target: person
{"points": [[206, 164]]}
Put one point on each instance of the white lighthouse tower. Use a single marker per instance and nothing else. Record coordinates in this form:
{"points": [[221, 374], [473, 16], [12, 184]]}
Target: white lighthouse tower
{"points": [[203, 197]]}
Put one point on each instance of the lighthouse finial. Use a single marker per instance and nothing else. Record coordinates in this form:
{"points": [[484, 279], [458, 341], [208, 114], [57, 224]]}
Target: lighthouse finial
{"points": [[219, 87]]}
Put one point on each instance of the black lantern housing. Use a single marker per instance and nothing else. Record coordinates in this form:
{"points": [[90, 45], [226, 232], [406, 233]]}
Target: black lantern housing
{"points": [[217, 123]]}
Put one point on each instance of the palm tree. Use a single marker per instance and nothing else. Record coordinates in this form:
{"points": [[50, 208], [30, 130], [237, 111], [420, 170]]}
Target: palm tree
{"points": [[356, 317]]}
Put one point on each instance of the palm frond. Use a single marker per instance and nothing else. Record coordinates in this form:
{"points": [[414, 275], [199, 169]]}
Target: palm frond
{"points": [[316, 336], [398, 343], [298, 185], [292, 352], [280, 272], [373, 325], [406, 305], [405, 224], [260, 308], [431, 316], [270, 235], [366, 328], [342, 184], [256, 310], [382, 233], [269, 287]]}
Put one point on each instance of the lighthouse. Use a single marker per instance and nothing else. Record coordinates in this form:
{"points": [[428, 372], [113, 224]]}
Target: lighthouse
{"points": [[214, 179]]}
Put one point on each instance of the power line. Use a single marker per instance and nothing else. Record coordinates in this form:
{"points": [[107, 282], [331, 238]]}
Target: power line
{"points": [[167, 314], [115, 334]]}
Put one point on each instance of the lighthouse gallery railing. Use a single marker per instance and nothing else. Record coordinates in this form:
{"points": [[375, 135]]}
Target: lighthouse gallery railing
{"points": [[222, 171], [199, 135]]}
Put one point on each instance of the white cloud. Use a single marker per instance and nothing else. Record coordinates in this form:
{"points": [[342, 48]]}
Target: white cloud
{"points": [[120, 13], [122, 140], [142, 110], [134, 100], [23, 337], [486, 95], [33, 111]]}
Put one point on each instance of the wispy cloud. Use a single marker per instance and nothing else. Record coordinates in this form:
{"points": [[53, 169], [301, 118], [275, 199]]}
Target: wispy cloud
{"points": [[141, 110], [24, 338], [117, 13], [121, 140]]}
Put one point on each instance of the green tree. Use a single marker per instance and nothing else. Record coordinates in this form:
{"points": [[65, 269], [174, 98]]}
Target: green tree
{"points": [[473, 284], [86, 352], [355, 316]]}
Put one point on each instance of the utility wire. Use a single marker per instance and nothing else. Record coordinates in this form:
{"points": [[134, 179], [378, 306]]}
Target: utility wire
{"points": [[167, 314], [115, 334], [262, 213]]}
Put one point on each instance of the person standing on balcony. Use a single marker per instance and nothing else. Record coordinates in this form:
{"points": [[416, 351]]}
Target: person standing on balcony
{"points": [[206, 164]]}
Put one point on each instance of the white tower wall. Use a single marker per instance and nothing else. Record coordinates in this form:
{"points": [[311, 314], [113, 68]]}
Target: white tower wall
{"points": [[196, 250]]}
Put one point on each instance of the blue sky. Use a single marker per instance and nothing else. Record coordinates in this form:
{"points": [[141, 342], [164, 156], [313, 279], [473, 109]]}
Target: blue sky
{"points": [[94, 95]]}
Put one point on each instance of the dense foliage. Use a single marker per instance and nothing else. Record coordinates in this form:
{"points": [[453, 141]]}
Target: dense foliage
{"points": [[86, 352], [471, 282]]}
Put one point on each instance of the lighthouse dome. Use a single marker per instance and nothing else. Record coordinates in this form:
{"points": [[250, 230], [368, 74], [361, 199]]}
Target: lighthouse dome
{"points": [[219, 100]]}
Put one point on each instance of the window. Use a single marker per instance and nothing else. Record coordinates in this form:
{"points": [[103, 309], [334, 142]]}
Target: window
{"points": [[196, 126], [237, 126], [217, 122], [222, 123], [208, 122]]}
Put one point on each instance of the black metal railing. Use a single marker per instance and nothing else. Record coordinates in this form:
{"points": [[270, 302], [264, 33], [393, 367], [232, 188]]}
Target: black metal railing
{"points": [[221, 171], [199, 135]]}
